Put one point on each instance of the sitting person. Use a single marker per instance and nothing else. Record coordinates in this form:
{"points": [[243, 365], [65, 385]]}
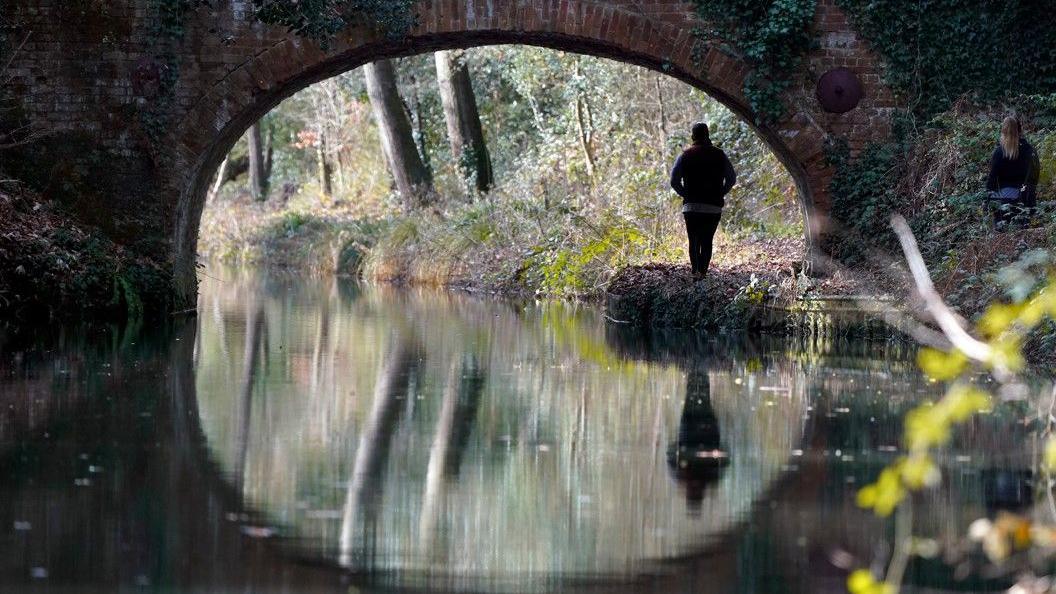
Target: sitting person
{"points": [[1014, 172]]}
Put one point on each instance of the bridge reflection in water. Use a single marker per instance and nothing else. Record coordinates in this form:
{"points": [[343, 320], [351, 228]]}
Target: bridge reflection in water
{"points": [[316, 435]]}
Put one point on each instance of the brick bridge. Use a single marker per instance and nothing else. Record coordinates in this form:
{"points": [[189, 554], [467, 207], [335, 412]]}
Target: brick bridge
{"points": [[91, 72]]}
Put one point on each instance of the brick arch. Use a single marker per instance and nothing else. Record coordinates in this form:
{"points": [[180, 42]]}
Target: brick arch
{"points": [[235, 87]]}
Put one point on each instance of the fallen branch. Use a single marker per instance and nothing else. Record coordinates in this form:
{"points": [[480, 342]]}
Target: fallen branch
{"points": [[948, 321]]}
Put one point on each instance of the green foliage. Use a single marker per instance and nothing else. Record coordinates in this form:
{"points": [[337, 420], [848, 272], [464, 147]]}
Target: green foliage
{"points": [[321, 20], [864, 195], [575, 270], [52, 267], [770, 36], [935, 177], [937, 51]]}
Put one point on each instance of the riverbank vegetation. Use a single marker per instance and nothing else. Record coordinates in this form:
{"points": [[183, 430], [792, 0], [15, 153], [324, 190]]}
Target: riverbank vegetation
{"points": [[43, 251]]}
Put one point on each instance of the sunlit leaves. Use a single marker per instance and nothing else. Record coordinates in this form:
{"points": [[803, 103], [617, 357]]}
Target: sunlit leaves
{"points": [[862, 581], [1008, 354], [928, 426], [1008, 533], [885, 494], [920, 471], [940, 365], [998, 317], [1050, 454]]}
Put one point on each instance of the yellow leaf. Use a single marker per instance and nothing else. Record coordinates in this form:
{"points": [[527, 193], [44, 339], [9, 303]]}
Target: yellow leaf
{"points": [[926, 426], [861, 581], [961, 402], [889, 491], [867, 496], [1050, 453], [1033, 312], [919, 472], [998, 318], [1047, 297], [1008, 353], [940, 365]]}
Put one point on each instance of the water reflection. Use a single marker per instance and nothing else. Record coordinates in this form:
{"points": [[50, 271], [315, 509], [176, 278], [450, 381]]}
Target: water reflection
{"points": [[451, 440], [307, 435], [697, 457]]}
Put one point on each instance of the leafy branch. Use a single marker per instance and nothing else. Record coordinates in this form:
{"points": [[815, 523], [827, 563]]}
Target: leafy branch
{"points": [[995, 347]]}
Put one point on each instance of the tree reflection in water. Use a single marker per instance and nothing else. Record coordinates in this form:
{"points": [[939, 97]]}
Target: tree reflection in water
{"points": [[467, 440]]}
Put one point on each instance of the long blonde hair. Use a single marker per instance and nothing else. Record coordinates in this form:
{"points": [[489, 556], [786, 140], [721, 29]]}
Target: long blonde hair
{"points": [[1010, 134]]}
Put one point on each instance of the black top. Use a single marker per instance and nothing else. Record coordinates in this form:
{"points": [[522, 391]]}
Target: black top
{"points": [[1013, 173], [703, 174]]}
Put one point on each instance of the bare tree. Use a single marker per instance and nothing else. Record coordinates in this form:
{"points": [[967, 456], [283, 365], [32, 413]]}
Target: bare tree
{"points": [[584, 125], [326, 169], [464, 129], [259, 163], [413, 180]]}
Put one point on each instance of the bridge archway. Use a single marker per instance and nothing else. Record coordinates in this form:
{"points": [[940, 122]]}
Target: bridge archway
{"points": [[658, 35]]}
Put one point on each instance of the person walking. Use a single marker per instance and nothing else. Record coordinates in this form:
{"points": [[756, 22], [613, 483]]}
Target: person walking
{"points": [[702, 176], [1014, 172]]}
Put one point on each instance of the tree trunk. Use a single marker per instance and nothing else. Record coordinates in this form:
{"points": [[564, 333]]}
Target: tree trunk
{"points": [[413, 181], [419, 126], [258, 165], [236, 168], [585, 127], [663, 117], [461, 402], [326, 170], [463, 120], [218, 183]]}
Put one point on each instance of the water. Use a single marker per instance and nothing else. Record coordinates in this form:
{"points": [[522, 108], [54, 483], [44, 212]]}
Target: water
{"points": [[323, 436]]}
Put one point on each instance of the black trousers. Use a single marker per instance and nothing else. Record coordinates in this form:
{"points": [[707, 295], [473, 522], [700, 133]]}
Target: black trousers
{"points": [[701, 230]]}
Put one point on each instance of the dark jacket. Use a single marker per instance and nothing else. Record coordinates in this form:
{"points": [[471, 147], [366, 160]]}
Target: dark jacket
{"points": [[1022, 171], [703, 174]]}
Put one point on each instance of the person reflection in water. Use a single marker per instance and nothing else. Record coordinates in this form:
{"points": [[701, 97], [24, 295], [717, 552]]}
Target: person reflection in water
{"points": [[697, 458]]}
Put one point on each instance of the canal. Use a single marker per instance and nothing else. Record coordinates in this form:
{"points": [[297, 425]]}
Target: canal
{"points": [[329, 436]]}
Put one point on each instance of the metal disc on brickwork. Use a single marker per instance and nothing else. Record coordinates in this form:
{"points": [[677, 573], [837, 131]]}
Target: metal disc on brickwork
{"points": [[839, 91]]}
